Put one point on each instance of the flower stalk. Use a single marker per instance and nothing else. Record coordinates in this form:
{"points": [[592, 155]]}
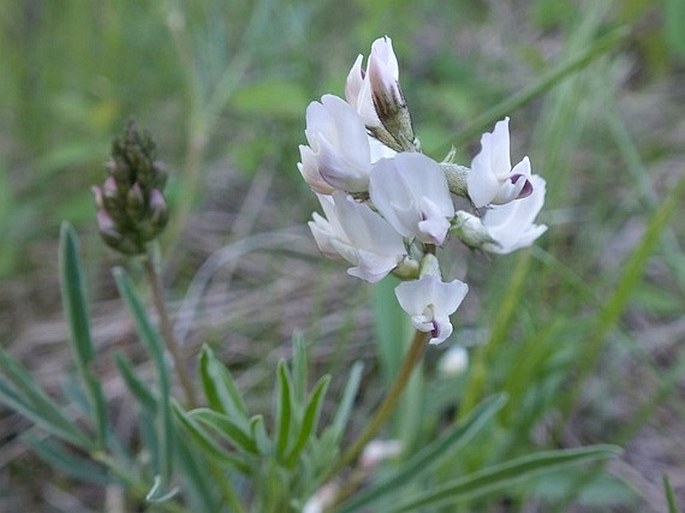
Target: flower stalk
{"points": [[393, 395], [383, 412], [166, 328]]}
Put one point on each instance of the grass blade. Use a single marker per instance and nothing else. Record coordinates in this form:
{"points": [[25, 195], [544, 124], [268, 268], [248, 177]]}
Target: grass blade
{"points": [[670, 497], [78, 320], [506, 313], [613, 307], [448, 444], [501, 476], [544, 83]]}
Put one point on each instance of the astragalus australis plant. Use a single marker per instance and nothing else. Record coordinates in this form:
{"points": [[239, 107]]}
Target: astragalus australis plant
{"points": [[387, 209]]}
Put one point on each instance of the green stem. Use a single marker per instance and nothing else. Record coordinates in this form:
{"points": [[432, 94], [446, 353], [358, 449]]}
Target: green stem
{"points": [[393, 395], [168, 332]]}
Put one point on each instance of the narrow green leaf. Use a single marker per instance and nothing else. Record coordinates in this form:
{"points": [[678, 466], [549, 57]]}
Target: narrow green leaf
{"points": [[670, 497], [447, 445], [78, 319], [219, 387], [60, 458], [207, 443], [349, 394], [310, 420], [225, 427], [73, 394], [151, 340], [61, 429], [501, 476], [140, 391], [32, 402], [300, 367], [284, 409], [260, 436]]}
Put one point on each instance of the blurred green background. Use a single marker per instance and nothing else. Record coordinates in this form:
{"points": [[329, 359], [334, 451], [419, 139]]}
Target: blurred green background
{"points": [[583, 331]]}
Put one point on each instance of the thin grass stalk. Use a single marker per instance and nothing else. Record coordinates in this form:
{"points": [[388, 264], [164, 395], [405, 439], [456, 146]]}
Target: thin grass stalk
{"points": [[632, 272], [475, 387], [546, 82]]}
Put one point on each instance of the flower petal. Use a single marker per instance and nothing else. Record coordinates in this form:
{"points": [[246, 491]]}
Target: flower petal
{"points": [[430, 301], [411, 192]]}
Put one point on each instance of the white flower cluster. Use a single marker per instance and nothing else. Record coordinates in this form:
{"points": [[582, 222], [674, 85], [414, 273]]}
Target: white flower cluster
{"points": [[387, 206]]}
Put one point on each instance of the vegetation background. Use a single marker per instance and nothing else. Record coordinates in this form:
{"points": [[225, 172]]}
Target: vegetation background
{"points": [[584, 331]]}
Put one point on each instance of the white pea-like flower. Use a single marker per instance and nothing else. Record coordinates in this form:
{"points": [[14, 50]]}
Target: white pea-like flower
{"points": [[492, 179], [411, 192], [512, 226], [338, 154], [385, 71], [309, 169], [355, 233], [430, 301]]}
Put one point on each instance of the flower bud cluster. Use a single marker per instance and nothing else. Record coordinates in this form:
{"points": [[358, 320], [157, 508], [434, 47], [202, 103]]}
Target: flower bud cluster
{"points": [[388, 207], [131, 209]]}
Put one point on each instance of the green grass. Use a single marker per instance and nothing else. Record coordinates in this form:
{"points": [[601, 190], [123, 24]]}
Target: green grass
{"points": [[570, 330]]}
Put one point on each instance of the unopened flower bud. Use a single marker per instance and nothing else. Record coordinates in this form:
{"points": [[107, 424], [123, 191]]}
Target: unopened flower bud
{"points": [[109, 188], [135, 202], [377, 97], [430, 265], [457, 178], [121, 172], [106, 225], [131, 207], [159, 213], [407, 269], [389, 102], [470, 230]]}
